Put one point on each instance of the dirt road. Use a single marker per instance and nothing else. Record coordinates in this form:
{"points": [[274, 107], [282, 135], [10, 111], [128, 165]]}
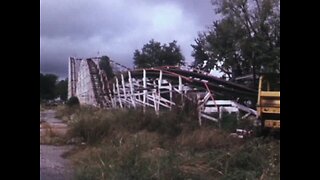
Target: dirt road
{"points": [[52, 165]]}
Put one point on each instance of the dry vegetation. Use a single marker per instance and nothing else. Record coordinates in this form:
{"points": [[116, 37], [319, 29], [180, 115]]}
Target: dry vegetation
{"points": [[52, 135], [130, 144]]}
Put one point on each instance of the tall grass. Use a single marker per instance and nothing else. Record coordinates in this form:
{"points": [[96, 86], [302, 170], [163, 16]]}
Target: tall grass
{"points": [[94, 124], [131, 144], [66, 113]]}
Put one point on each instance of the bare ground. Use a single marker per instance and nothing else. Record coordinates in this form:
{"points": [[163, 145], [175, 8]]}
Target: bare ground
{"points": [[52, 165]]}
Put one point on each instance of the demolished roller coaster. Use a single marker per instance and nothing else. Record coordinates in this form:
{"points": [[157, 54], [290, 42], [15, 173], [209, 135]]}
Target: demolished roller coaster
{"points": [[157, 88]]}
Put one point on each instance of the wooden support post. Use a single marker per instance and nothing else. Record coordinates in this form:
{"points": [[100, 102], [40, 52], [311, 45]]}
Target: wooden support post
{"points": [[144, 79], [170, 93], [114, 102], [159, 89], [123, 88], [199, 109], [180, 90], [220, 115], [131, 91], [155, 102], [118, 92]]}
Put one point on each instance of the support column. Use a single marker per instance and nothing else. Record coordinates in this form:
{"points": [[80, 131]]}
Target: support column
{"points": [[144, 79], [118, 93], [131, 90]]}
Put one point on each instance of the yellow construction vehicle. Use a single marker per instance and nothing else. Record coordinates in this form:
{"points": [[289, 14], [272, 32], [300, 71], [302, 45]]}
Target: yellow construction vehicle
{"points": [[268, 105]]}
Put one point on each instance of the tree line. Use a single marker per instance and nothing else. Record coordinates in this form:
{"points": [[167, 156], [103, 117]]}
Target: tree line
{"points": [[246, 40], [51, 88]]}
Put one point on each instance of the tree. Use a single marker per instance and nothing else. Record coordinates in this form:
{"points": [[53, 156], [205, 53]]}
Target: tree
{"points": [[199, 53], [104, 64], [62, 89], [154, 54], [47, 86], [245, 40]]}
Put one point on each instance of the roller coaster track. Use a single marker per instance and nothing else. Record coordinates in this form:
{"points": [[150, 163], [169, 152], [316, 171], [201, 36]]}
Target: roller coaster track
{"points": [[165, 87], [219, 87], [97, 84]]}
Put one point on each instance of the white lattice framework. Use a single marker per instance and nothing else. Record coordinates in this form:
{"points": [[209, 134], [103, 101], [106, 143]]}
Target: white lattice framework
{"points": [[155, 88]]}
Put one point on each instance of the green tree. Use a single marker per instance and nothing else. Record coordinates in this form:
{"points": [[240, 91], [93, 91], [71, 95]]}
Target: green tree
{"points": [[47, 86], [199, 53], [62, 89], [154, 54], [104, 64], [245, 40]]}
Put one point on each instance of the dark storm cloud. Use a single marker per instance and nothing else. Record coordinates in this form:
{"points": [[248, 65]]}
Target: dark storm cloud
{"points": [[115, 28]]}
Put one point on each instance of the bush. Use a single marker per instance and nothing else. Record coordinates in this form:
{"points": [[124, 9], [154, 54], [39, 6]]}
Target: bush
{"points": [[73, 101], [90, 124], [65, 112], [256, 158], [167, 123], [132, 144], [229, 122], [133, 159]]}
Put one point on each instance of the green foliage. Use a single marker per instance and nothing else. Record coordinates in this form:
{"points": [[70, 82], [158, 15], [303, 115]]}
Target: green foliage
{"points": [[245, 40], [199, 53], [47, 86], [129, 161], [154, 54], [62, 89], [51, 88], [255, 158], [229, 122], [73, 101], [128, 144], [90, 124], [104, 64]]}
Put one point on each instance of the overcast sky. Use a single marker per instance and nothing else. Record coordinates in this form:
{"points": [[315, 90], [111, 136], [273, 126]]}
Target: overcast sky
{"points": [[115, 28]]}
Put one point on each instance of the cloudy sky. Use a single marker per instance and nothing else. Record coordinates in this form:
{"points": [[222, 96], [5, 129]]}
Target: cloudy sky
{"points": [[82, 28]]}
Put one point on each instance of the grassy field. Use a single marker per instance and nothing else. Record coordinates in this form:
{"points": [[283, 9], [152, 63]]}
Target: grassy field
{"points": [[130, 144]]}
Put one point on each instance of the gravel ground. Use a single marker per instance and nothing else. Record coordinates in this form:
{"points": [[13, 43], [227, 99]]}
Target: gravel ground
{"points": [[49, 116], [52, 165]]}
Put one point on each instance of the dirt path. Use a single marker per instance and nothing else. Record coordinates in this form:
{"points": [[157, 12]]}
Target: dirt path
{"points": [[52, 165]]}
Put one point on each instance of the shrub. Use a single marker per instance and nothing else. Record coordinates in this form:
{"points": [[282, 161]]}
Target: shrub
{"points": [[65, 112], [229, 122], [257, 157], [131, 144], [206, 138], [89, 124], [134, 159], [73, 101]]}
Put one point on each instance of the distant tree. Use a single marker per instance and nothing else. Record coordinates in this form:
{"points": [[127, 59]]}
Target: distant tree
{"points": [[47, 86], [154, 54], [62, 89], [104, 64], [246, 40]]}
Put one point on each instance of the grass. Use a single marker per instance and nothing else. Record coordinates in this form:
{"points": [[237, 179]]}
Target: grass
{"points": [[52, 136], [130, 144]]}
